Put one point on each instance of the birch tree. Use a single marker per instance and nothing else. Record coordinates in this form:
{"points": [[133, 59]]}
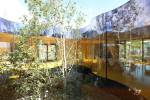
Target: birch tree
{"points": [[62, 17]]}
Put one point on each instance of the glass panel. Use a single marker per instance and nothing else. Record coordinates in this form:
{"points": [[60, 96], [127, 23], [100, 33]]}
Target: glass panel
{"points": [[122, 51], [51, 52], [43, 52], [136, 51], [4, 49], [147, 51]]}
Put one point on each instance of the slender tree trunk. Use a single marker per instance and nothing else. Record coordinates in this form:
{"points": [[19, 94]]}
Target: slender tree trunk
{"points": [[64, 56], [64, 66]]}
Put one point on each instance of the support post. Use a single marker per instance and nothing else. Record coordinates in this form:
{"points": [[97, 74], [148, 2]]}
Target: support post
{"points": [[106, 57], [142, 50], [125, 50], [142, 56]]}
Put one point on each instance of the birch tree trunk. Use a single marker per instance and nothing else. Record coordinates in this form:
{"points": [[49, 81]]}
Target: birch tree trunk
{"points": [[64, 62]]}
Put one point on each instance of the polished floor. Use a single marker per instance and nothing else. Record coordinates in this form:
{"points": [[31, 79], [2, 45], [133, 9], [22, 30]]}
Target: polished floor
{"points": [[137, 77]]}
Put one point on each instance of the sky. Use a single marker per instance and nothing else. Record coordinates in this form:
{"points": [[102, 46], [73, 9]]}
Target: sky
{"points": [[14, 9]]}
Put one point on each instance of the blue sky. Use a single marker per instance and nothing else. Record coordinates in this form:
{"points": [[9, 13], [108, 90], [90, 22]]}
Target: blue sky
{"points": [[93, 8], [14, 9]]}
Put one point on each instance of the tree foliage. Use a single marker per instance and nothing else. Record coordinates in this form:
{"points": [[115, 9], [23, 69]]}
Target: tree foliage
{"points": [[23, 61]]}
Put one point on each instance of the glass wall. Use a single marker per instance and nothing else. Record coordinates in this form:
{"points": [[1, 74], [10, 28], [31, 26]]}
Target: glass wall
{"points": [[147, 51], [5, 47], [47, 52], [43, 52], [52, 52], [126, 61]]}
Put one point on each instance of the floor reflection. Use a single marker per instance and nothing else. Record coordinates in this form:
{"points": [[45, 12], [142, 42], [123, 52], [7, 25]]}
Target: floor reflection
{"points": [[96, 85], [136, 77], [140, 73]]}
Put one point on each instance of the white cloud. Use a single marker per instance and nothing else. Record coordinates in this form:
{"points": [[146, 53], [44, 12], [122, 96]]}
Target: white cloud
{"points": [[12, 10]]}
